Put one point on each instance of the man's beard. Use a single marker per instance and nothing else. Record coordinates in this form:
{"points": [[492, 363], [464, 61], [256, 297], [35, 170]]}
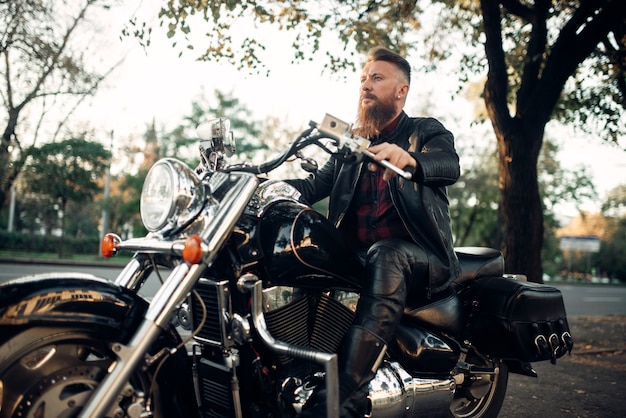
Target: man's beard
{"points": [[372, 119]]}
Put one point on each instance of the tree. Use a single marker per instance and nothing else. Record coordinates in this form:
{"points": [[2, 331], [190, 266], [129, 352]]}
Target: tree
{"points": [[474, 203], [182, 141], [66, 171], [43, 70], [544, 60], [611, 259], [474, 199], [595, 31], [615, 203]]}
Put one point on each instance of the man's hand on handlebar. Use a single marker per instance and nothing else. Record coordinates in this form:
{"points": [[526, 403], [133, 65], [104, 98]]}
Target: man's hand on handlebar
{"points": [[395, 155]]}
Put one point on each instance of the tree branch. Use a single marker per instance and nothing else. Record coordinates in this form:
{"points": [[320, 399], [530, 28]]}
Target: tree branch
{"points": [[496, 87], [57, 54], [588, 27], [516, 8], [535, 52]]}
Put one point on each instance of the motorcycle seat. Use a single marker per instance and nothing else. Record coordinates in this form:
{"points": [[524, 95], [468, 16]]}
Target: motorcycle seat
{"points": [[444, 314], [477, 262]]}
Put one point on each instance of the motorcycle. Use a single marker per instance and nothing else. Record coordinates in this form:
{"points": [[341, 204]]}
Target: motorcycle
{"points": [[259, 292]]}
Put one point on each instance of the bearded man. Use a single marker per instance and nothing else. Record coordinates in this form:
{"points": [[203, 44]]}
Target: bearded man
{"points": [[401, 228]]}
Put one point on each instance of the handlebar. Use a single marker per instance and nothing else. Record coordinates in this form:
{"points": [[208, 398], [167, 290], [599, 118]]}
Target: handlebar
{"points": [[330, 127], [341, 132]]}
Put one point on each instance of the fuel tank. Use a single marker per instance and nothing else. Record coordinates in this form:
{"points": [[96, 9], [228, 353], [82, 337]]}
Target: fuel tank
{"points": [[293, 244]]}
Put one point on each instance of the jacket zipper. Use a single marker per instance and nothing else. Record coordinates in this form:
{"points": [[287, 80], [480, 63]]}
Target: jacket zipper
{"points": [[354, 182]]}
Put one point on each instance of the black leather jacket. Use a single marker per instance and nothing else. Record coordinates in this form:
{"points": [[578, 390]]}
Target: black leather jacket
{"points": [[422, 203]]}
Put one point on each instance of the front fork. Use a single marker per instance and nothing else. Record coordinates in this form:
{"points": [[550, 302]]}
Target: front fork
{"points": [[170, 295], [129, 356]]}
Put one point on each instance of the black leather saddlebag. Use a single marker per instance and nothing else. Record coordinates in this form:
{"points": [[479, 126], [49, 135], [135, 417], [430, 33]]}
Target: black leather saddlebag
{"points": [[513, 319]]}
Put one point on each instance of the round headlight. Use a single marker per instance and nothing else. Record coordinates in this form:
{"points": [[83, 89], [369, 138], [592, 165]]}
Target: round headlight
{"points": [[171, 196], [157, 197]]}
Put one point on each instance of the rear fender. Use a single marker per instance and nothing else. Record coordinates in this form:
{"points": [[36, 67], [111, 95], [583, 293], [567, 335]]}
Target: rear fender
{"points": [[70, 298]]}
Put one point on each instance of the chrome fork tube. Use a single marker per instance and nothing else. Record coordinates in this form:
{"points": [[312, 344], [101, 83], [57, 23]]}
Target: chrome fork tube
{"points": [[176, 287], [134, 274]]}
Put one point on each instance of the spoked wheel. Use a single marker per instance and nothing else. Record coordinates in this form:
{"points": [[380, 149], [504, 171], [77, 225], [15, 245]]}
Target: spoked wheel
{"points": [[483, 395], [51, 372]]}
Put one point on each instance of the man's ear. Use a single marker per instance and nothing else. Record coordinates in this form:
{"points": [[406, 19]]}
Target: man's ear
{"points": [[404, 90]]}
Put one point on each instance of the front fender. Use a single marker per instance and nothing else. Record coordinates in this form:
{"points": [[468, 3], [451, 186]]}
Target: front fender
{"points": [[69, 298], [112, 312]]}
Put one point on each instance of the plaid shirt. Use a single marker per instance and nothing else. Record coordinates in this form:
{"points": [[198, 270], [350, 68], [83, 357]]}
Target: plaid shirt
{"points": [[372, 215]]}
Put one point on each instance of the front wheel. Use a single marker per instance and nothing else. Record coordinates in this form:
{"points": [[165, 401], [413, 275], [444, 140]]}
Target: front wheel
{"points": [[481, 396], [51, 372]]}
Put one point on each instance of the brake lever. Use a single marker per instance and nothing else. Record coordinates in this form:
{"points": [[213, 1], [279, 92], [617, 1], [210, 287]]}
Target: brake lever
{"points": [[341, 131]]}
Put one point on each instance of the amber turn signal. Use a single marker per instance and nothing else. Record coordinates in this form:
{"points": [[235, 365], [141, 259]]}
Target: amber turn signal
{"points": [[108, 246], [192, 250]]}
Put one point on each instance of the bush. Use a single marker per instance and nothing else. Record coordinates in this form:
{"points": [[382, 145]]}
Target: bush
{"points": [[30, 243]]}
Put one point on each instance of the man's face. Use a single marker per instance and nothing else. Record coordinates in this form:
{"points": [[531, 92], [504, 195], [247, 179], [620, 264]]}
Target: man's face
{"points": [[381, 97]]}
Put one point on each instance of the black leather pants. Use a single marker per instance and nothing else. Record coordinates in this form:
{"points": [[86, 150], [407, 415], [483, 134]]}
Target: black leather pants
{"points": [[395, 272]]}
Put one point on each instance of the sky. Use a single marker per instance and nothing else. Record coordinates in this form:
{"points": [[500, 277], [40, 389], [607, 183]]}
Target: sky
{"points": [[157, 84]]}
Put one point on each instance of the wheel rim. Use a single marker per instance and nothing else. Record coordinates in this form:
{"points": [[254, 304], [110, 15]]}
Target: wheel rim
{"points": [[482, 397], [470, 403], [56, 378]]}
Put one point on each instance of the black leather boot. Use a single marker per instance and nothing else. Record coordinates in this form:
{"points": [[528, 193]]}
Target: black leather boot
{"points": [[362, 353], [379, 310]]}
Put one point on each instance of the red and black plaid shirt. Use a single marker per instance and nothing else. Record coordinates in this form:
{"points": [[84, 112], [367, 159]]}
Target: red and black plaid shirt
{"points": [[372, 216]]}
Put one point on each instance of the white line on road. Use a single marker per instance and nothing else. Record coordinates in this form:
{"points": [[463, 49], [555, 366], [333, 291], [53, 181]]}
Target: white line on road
{"points": [[601, 299]]}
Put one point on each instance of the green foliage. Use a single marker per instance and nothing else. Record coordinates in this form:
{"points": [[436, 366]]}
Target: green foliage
{"points": [[615, 203], [559, 185], [63, 172], [181, 142], [533, 34], [610, 261], [474, 203], [66, 171], [124, 206], [36, 243], [356, 26]]}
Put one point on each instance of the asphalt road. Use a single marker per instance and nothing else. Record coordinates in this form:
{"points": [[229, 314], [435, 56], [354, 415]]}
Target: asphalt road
{"points": [[580, 299], [12, 270]]}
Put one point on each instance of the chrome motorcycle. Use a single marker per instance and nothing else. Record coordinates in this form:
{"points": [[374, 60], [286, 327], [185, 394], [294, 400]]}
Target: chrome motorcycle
{"points": [[256, 292]]}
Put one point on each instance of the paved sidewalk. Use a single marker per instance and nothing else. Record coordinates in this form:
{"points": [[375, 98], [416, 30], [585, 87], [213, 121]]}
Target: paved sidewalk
{"points": [[589, 383]]}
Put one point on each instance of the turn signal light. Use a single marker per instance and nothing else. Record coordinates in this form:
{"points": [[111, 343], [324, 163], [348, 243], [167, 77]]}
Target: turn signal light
{"points": [[192, 250], [108, 246]]}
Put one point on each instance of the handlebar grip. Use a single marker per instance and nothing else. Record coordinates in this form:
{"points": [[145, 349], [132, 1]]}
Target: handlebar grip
{"points": [[402, 173]]}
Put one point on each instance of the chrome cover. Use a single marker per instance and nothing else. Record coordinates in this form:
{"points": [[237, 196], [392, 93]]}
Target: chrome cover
{"points": [[394, 392], [185, 193], [269, 192]]}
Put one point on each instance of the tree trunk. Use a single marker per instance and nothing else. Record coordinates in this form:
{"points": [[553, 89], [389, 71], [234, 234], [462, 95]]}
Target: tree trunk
{"points": [[520, 202], [62, 237]]}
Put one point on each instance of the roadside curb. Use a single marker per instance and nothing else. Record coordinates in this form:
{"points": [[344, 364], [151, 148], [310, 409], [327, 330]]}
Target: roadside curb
{"points": [[62, 262]]}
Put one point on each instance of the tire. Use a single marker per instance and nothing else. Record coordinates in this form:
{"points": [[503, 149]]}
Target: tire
{"points": [[52, 371], [483, 397]]}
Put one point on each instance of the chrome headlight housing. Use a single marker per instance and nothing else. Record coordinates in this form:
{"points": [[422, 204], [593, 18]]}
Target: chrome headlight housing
{"points": [[171, 197]]}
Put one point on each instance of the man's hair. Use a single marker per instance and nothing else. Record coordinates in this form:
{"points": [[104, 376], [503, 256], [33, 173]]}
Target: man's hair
{"points": [[383, 54]]}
